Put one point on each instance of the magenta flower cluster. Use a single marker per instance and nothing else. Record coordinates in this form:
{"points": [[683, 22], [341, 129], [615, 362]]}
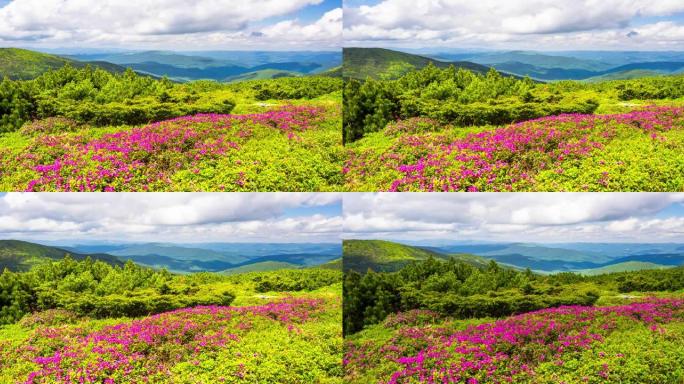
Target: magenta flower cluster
{"points": [[502, 159], [505, 351], [149, 347], [142, 158]]}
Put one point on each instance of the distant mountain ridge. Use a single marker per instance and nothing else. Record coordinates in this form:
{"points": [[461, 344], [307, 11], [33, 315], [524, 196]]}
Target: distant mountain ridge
{"points": [[22, 64], [380, 255], [573, 257], [570, 65], [219, 257], [224, 66]]}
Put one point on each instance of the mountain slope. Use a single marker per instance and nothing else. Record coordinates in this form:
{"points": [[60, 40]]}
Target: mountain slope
{"points": [[176, 252], [22, 64], [17, 255], [261, 267], [360, 63], [541, 60], [627, 266]]}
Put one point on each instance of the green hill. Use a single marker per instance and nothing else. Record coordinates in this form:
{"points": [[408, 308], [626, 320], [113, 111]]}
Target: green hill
{"points": [[628, 266], [333, 264], [22, 64], [17, 255], [262, 74], [380, 255], [625, 75], [361, 63], [261, 267], [332, 72], [541, 60]]}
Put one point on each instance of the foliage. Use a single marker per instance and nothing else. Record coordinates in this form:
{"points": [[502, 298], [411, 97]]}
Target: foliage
{"points": [[97, 289], [452, 288], [80, 133], [638, 342], [455, 96], [288, 280], [635, 151], [288, 88], [192, 345]]}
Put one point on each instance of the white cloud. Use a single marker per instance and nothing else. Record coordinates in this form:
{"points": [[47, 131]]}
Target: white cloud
{"points": [[554, 217], [169, 24], [327, 28], [525, 24], [190, 217]]}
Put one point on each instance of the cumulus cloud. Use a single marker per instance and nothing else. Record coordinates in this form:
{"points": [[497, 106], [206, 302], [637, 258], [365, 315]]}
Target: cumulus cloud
{"points": [[514, 216], [514, 24], [170, 24], [193, 217]]}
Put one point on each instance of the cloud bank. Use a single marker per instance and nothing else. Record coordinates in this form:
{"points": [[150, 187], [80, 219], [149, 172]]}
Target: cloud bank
{"points": [[517, 24], [172, 217], [525, 217], [170, 24]]}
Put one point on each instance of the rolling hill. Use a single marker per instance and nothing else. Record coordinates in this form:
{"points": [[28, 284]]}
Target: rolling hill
{"points": [[262, 74], [578, 257], [218, 257], [23, 64], [175, 252], [540, 60], [17, 255], [361, 63], [544, 66], [387, 256], [261, 267], [224, 66], [627, 266]]}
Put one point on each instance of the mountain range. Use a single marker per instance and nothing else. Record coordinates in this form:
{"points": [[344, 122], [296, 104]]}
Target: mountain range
{"points": [[179, 258], [223, 66], [585, 258], [361, 63], [576, 65]]}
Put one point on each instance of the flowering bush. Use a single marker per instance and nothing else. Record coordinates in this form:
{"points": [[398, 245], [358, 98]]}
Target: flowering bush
{"points": [[511, 350], [164, 155], [51, 317], [511, 158], [212, 342]]}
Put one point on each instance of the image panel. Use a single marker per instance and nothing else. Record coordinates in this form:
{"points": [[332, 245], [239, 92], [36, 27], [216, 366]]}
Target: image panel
{"points": [[513, 288], [170, 288], [208, 95], [517, 96]]}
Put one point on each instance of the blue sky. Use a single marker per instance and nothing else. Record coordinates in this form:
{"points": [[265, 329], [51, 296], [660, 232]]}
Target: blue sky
{"points": [[173, 24], [516, 24]]}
